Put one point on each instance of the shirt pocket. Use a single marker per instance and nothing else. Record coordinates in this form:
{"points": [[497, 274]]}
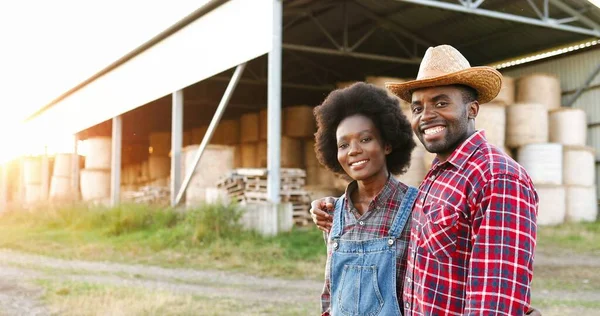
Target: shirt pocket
{"points": [[440, 231]]}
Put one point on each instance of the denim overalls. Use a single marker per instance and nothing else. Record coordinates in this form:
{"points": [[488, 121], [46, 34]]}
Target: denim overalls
{"points": [[363, 272]]}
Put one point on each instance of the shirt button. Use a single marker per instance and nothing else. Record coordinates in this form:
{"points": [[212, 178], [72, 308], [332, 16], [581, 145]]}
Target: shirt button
{"points": [[390, 242], [407, 305], [335, 245], [422, 200], [361, 223], [408, 279], [432, 177]]}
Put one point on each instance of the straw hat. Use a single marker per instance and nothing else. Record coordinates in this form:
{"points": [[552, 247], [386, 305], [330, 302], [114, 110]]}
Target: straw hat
{"points": [[444, 65]]}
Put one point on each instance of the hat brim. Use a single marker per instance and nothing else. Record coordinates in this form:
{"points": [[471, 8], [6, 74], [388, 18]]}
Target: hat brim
{"points": [[487, 81]]}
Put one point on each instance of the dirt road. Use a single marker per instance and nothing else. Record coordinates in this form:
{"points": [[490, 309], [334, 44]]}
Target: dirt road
{"points": [[21, 295]]}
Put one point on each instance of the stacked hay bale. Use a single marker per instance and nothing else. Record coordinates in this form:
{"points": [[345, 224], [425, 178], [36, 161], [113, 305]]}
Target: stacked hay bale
{"points": [[249, 140], [95, 177], [159, 161], [550, 141], [32, 179], [61, 184]]}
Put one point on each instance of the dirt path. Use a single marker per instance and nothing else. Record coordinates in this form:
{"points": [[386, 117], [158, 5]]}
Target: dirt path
{"points": [[18, 270], [20, 296]]}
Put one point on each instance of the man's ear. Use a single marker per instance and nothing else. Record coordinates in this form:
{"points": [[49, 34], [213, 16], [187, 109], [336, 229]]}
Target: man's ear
{"points": [[473, 109]]}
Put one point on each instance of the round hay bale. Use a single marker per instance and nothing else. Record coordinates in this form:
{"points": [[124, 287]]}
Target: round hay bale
{"points": [[579, 165], [299, 121], [249, 127], [526, 123], [552, 207], [567, 126], [539, 88], [543, 162], [492, 119]]}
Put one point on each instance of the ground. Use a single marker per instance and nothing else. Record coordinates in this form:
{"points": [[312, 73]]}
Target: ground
{"points": [[65, 265]]}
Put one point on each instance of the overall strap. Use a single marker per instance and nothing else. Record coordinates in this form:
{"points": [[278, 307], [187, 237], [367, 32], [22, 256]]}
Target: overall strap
{"points": [[338, 217], [404, 212]]}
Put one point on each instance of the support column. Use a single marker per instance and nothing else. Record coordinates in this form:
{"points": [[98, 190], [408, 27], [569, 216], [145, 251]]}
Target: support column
{"points": [[176, 143], [274, 107], [115, 168], [75, 168]]}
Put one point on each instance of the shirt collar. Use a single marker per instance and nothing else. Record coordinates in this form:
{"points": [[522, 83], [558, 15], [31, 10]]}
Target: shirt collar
{"points": [[389, 188], [462, 153]]}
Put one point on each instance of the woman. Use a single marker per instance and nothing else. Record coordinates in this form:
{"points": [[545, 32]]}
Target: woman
{"points": [[363, 135]]}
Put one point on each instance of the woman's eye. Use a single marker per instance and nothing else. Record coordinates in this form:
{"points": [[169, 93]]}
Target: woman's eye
{"points": [[366, 139], [342, 146]]}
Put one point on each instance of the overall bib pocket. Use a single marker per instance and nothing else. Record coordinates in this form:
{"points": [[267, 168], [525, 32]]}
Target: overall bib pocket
{"points": [[359, 291]]}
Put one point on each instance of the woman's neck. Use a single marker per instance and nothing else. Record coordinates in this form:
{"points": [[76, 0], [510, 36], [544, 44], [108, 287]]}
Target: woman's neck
{"points": [[367, 190]]}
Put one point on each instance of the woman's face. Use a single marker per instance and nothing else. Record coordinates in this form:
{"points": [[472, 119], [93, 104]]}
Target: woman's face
{"points": [[361, 151]]}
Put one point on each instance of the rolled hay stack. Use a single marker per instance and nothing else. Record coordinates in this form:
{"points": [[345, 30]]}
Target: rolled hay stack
{"points": [[249, 155], [318, 176], [291, 153], [99, 153], [249, 128], [380, 82], [263, 122], [539, 88], [582, 205], [567, 126], [299, 121], [507, 92], [160, 142], [61, 187], [187, 138], [543, 162], [578, 166], [492, 119], [237, 156], [144, 172], [552, 207], [344, 84], [158, 167], [134, 153], [198, 134], [227, 133], [95, 184], [416, 172], [526, 123], [32, 176], [216, 161]]}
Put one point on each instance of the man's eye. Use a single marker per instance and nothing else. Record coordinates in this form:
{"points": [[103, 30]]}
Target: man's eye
{"points": [[417, 109], [441, 104]]}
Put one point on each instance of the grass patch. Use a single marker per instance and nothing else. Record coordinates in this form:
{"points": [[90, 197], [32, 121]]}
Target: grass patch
{"points": [[80, 298], [207, 237], [573, 237]]}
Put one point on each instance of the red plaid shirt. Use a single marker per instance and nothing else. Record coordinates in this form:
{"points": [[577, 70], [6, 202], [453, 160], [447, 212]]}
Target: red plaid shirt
{"points": [[374, 223], [473, 236]]}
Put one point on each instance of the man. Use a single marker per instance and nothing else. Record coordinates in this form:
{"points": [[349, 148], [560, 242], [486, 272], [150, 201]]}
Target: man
{"points": [[474, 221]]}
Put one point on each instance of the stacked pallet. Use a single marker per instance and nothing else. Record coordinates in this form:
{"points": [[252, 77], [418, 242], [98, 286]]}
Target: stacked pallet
{"points": [[155, 195], [249, 185]]}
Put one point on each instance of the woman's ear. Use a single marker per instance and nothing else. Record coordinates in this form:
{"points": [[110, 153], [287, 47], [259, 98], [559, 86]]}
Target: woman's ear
{"points": [[387, 149]]}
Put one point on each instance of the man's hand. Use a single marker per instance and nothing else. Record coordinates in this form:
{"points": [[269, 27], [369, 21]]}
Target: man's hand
{"points": [[319, 211]]}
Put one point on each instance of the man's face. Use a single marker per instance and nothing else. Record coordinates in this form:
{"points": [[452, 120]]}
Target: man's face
{"points": [[440, 118]]}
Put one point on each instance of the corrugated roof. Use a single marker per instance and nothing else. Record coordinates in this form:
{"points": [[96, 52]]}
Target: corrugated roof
{"points": [[481, 39]]}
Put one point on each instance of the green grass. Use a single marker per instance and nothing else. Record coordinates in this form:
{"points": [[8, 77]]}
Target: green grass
{"points": [[208, 237], [576, 238]]}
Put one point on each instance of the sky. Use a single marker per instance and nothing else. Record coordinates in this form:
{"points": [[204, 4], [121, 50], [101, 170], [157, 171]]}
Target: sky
{"points": [[49, 47]]}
